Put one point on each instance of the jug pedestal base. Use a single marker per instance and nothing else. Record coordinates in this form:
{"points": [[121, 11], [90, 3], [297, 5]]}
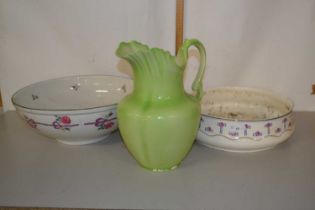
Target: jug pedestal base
{"points": [[161, 169]]}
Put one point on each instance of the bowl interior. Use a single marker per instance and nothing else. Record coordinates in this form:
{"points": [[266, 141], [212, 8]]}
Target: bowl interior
{"points": [[73, 93], [237, 103]]}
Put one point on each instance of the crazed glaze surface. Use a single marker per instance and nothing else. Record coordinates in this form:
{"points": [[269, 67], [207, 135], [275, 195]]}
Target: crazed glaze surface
{"points": [[244, 119], [75, 110], [244, 104]]}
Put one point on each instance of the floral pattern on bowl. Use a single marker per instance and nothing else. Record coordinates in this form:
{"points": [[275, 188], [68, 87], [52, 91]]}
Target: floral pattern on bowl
{"points": [[78, 128], [252, 130], [244, 119], [60, 122], [106, 122], [74, 110]]}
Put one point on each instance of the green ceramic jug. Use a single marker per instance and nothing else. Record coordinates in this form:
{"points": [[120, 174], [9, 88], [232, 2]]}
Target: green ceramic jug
{"points": [[158, 121]]}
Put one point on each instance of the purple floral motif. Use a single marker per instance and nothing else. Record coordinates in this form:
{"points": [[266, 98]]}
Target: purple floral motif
{"points": [[247, 127], [30, 122], [56, 125], [284, 121], [278, 130], [268, 126], [209, 129], [257, 133], [221, 126], [233, 133], [103, 122]]}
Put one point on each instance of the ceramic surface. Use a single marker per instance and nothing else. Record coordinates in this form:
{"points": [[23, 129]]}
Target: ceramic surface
{"points": [[159, 120], [244, 119], [75, 110]]}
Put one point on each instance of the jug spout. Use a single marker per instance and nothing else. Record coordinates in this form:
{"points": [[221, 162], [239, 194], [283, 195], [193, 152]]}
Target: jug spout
{"points": [[127, 50], [156, 73]]}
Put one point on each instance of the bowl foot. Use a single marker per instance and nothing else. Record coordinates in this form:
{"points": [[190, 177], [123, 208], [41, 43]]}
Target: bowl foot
{"points": [[82, 142], [237, 150]]}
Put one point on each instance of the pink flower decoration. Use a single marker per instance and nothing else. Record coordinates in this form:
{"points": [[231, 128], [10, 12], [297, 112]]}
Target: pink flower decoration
{"points": [[65, 119], [108, 124]]}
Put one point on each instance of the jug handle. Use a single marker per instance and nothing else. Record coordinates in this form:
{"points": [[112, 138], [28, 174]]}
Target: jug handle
{"points": [[181, 60]]}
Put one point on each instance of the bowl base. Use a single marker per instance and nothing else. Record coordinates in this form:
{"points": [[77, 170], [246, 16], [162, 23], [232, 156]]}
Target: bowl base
{"points": [[237, 150], [82, 142]]}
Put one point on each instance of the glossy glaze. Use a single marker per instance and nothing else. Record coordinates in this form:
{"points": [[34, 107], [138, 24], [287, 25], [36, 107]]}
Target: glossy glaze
{"points": [[159, 120], [243, 119], [74, 110]]}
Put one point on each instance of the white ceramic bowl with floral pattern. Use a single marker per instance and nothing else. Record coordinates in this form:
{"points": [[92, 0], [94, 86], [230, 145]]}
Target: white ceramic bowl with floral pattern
{"points": [[240, 119], [75, 110]]}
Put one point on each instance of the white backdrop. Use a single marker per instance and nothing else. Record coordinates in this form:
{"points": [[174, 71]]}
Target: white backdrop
{"points": [[258, 43], [51, 38]]}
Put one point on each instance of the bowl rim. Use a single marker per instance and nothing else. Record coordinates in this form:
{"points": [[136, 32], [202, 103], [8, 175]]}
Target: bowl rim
{"points": [[64, 77], [284, 99]]}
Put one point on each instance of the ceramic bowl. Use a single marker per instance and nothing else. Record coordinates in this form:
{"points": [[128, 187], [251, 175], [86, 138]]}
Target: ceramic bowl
{"points": [[75, 110], [239, 119]]}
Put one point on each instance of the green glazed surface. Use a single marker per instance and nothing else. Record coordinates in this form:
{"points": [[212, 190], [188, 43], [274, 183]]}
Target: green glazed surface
{"points": [[158, 121]]}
